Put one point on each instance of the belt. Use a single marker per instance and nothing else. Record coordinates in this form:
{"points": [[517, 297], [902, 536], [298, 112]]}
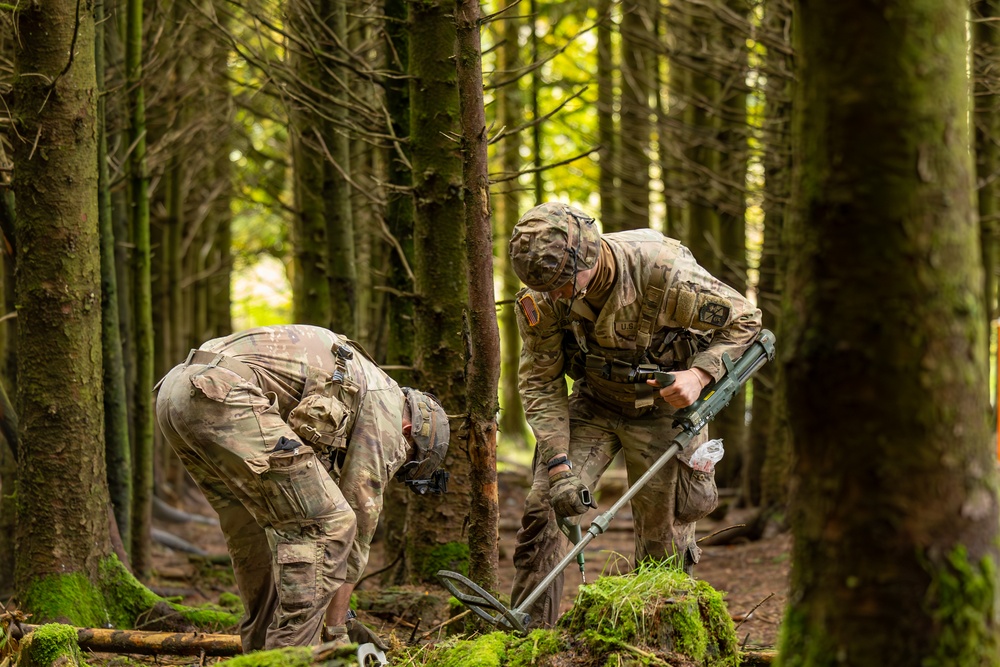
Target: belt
{"points": [[222, 361]]}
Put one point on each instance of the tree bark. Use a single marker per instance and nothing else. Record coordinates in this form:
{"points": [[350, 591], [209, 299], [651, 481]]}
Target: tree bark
{"points": [[142, 487], [341, 263], [483, 364], [611, 208], [733, 136], [435, 535], [508, 209], [58, 298], [117, 447], [896, 501], [769, 444], [637, 67]]}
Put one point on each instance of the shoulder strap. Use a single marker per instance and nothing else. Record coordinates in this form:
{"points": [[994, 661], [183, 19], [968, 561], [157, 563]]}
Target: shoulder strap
{"points": [[652, 297]]}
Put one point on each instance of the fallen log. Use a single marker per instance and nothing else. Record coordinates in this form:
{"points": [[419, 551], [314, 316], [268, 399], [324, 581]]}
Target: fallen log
{"points": [[102, 640]]}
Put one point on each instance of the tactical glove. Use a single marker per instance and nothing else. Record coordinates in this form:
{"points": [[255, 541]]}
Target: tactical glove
{"points": [[337, 634], [362, 634], [568, 494]]}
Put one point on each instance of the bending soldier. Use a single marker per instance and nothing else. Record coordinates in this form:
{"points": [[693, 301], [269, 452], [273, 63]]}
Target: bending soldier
{"points": [[292, 433], [602, 310]]}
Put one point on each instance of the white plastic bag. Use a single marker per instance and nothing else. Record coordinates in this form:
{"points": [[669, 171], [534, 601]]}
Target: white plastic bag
{"points": [[707, 455]]}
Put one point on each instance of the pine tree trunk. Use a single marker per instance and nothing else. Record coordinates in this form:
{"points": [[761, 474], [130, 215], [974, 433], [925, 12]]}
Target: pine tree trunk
{"points": [[986, 120], [637, 67], [895, 514], [701, 142], [341, 266], [399, 219], [509, 109], [311, 287], [484, 337], [765, 480], [435, 535], [58, 298], [611, 207], [732, 111], [142, 487], [117, 448]]}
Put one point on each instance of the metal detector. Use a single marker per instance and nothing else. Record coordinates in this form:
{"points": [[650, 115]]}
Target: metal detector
{"points": [[691, 420]]}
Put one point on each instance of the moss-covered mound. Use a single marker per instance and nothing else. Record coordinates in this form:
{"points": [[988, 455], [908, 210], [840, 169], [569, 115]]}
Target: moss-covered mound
{"points": [[656, 611], [117, 600], [541, 648], [52, 645]]}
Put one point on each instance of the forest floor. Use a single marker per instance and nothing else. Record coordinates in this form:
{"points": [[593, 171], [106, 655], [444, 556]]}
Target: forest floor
{"points": [[752, 575]]}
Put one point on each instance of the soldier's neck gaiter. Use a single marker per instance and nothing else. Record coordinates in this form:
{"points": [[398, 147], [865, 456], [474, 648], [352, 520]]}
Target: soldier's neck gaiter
{"points": [[603, 279]]}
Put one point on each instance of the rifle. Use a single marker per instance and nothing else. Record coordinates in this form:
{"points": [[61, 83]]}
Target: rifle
{"points": [[691, 420]]}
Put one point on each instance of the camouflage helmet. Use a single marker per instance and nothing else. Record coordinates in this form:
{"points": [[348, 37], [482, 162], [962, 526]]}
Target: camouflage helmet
{"points": [[430, 432], [551, 243]]}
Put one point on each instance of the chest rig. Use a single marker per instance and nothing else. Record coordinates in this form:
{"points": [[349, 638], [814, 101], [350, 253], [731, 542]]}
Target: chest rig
{"points": [[613, 373], [325, 416]]}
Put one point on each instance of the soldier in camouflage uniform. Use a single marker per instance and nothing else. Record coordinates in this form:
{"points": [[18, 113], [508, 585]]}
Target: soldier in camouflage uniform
{"points": [[596, 308], [292, 433]]}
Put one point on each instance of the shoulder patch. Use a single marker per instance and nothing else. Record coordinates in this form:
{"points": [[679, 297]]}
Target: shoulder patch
{"points": [[714, 314], [530, 308]]}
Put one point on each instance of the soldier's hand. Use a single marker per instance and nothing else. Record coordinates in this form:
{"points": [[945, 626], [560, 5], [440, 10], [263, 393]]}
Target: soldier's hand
{"points": [[360, 633], [686, 388], [567, 493]]}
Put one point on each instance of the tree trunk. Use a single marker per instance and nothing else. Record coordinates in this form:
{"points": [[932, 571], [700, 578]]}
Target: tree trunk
{"points": [[483, 365], [986, 120], [509, 109], [399, 219], [435, 536], [766, 471], [895, 513], [341, 266], [701, 141], [311, 287], [537, 178], [142, 482], [731, 423], [117, 448], [670, 124], [611, 207], [637, 67], [59, 315]]}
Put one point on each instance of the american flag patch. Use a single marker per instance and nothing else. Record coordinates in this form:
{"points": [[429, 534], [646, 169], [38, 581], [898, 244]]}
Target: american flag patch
{"points": [[530, 309]]}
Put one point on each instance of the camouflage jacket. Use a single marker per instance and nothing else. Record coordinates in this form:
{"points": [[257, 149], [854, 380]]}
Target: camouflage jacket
{"points": [[695, 320], [286, 360]]}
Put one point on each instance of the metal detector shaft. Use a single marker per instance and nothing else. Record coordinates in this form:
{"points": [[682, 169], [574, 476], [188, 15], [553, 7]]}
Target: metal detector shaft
{"points": [[602, 521]]}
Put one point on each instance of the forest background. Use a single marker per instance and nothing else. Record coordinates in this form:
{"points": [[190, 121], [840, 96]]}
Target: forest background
{"points": [[191, 167]]}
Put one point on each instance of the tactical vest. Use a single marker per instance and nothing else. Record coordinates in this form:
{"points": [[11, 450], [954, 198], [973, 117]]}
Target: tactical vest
{"points": [[610, 372]]}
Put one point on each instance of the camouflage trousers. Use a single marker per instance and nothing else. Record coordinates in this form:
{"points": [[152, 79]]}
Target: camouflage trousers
{"points": [[663, 511], [288, 528]]}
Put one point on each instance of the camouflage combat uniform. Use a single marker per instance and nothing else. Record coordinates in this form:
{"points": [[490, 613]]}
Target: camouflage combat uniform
{"points": [[295, 531], [663, 309]]}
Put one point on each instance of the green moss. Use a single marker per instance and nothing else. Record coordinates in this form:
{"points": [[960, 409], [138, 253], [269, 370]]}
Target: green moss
{"points": [[49, 643], [961, 599], [528, 651], [115, 600], [233, 603], [659, 607], [452, 556], [71, 597], [485, 651], [297, 656]]}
